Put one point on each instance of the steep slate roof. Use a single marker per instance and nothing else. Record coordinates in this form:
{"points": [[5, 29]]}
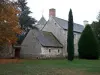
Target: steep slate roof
{"points": [[42, 21], [64, 25], [47, 39]]}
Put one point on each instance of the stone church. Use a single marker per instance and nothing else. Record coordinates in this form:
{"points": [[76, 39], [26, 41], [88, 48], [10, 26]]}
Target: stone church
{"points": [[49, 38]]}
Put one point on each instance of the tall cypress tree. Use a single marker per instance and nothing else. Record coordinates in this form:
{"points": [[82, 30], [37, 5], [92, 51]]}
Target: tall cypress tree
{"points": [[70, 39], [25, 20]]}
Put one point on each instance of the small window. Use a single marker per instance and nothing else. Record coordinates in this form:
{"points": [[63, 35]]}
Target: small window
{"points": [[55, 23], [49, 50], [75, 35], [58, 50], [75, 39]]}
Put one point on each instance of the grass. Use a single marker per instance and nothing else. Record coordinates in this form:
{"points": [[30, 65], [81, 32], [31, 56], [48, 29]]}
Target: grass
{"points": [[52, 67]]}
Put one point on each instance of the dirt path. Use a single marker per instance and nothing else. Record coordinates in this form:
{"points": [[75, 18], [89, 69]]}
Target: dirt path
{"points": [[5, 61]]}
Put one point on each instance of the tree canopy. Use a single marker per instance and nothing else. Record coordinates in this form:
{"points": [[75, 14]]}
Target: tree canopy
{"points": [[25, 20], [96, 29], [9, 22], [88, 45]]}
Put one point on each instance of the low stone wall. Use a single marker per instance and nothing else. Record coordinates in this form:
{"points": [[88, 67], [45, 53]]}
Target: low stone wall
{"points": [[30, 56]]}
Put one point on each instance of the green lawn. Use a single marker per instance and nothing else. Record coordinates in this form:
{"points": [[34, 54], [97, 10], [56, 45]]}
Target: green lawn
{"points": [[52, 67]]}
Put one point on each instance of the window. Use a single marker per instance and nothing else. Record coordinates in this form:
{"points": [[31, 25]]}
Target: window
{"points": [[74, 35], [75, 38], [49, 50], [58, 50]]}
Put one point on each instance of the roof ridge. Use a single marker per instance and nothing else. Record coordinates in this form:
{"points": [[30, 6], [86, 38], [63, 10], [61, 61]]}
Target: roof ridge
{"points": [[42, 19], [57, 22], [61, 19], [67, 21], [64, 24]]}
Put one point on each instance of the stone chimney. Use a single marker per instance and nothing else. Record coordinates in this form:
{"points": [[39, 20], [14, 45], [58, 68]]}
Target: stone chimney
{"points": [[52, 12], [85, 22]]}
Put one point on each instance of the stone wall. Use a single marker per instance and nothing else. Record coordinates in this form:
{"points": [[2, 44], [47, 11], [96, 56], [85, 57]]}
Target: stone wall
{"points": [[51, 52], [61, 35], [58, 32], [30, 47], [7, 52]]}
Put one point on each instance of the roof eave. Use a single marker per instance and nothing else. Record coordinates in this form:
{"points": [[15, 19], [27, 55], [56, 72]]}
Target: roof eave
{"points": [[53, 46], [74, 31]]}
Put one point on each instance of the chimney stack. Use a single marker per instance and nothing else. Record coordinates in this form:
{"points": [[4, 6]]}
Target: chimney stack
{"points": [[52, 12], [85, 22]]}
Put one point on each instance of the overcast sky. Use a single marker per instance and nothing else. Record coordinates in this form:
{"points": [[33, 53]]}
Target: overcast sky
{"points": [[82, 9]]}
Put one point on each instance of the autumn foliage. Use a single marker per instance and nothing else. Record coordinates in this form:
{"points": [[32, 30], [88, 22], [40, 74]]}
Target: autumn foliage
{"points": [[9, 23]]}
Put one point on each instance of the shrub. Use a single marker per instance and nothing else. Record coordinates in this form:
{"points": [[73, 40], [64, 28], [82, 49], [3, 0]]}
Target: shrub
{"points": [[88, 45]]}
